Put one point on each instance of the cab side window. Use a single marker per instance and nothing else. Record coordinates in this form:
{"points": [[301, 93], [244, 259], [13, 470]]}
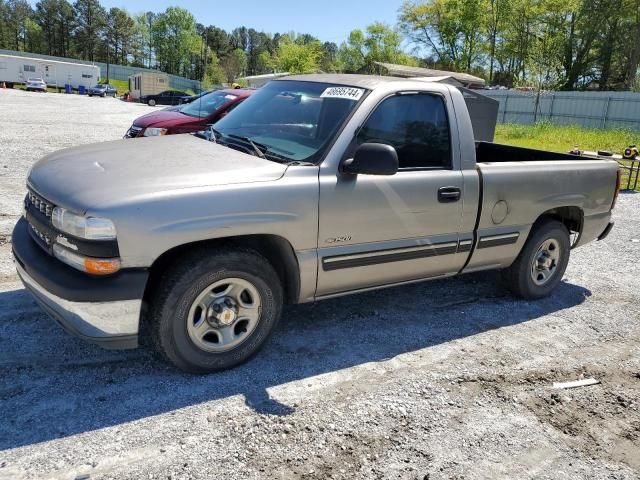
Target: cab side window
{"points": [[416, 126]]}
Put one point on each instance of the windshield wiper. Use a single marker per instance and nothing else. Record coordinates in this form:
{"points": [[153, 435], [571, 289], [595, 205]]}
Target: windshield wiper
{"points": [[254, 145], [260, 149]]}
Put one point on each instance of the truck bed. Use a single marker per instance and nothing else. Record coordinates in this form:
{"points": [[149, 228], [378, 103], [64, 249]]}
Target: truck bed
{"points": [[495, 152]]}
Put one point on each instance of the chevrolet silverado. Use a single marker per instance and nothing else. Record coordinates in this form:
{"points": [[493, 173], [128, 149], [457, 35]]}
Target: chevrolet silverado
{"points": [[315, 186]]}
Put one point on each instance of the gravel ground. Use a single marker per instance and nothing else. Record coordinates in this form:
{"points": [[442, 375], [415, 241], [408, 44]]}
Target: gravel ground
{"points": [[448, 379]]}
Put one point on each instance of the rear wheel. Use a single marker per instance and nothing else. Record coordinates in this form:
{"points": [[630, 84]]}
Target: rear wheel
{"points": [[542, 262], [215, 309]]}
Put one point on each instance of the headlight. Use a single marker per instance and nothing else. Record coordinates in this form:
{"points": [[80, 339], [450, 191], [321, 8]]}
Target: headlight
{"points": [[90, 228], [94, 266], [154, 132]]}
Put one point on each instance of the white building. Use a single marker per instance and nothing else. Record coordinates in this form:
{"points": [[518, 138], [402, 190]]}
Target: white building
{"points": [[17, 70]]}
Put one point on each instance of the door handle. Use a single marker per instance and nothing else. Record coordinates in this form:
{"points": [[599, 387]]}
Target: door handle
{"points": [[449, 194]]}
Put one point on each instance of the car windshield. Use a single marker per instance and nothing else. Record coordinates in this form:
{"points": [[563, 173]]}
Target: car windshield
{"points": [[290, 120], [100, 86], [35, 80], [207, 104]]}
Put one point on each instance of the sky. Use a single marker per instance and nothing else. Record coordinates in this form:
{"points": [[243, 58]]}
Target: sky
{"points": [[328, 20]]}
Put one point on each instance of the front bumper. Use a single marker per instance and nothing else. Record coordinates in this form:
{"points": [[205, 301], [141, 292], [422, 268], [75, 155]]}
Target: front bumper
{"points": [[105, 311]]}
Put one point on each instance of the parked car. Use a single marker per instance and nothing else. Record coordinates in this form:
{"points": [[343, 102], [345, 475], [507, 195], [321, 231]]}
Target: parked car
{"points": [[168, 97], [316, 186], [35, 85], [189, 118], [191, 98], [103, 90]]}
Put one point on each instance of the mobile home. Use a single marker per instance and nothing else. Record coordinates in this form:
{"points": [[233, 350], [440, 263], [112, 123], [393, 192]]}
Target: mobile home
{"points": [[17, 70], [147, 83]]}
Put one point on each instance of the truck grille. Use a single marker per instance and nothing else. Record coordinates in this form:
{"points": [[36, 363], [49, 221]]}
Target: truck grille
{"points": [[43, 237], [39, 203]]}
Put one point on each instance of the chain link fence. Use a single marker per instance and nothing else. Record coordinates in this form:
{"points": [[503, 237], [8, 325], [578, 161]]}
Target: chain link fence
{"points": [[588, 109]]}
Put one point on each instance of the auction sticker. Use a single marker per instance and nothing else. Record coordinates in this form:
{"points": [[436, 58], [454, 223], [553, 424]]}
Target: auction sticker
{"points": [[343, 92]]}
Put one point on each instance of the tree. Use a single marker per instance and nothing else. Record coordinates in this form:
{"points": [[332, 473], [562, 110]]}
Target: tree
{"points": [[91, 19], [381, 43], [497, 15], [175, 40], [449, 28], [56, 19], [18, 11], [298, 57], [214, 74], [120, 32], [234, 64], [329, 59]]}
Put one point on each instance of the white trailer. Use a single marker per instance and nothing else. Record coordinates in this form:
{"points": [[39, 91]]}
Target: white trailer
{"points": [[17, 70], [147, 83]]}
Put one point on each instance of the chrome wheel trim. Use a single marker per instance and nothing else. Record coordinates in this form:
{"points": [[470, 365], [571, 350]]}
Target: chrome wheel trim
{"points": [[224, 315], [545, 261]]}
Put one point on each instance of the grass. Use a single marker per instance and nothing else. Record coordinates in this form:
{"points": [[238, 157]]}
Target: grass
{"points": [[122, 86], [560, 138]]}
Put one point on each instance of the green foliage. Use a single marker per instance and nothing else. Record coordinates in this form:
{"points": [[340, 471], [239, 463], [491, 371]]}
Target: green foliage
{"points": [[380, 43], [566, 44], [121, 86], [300, 55], [556, 138], [234, 65], [175, 40]]}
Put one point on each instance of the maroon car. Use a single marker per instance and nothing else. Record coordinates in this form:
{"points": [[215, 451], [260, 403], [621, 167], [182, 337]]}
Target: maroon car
{"points": [[189, 118]]}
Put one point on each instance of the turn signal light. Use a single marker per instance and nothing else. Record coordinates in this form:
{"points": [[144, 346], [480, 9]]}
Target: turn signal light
{"points": [[97, 266]]}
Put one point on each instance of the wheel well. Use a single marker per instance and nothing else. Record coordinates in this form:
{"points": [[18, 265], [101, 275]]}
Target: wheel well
{"points": [[277, 250], [571, 217]]}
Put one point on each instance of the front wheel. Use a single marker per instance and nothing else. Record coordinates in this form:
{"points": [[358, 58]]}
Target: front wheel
{"points": [[151, 103], [215, 309], [539, 267]]}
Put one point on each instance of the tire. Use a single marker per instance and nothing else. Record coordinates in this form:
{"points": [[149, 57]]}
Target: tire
{"points": [[103, 95], [178, 320], [151, 103], [539, 267], [90, 95]]}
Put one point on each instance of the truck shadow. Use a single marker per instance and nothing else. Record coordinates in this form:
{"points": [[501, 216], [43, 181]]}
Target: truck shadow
{"points": [[54, 385]]}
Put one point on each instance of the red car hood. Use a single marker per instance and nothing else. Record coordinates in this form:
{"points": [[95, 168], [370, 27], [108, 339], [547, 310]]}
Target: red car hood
{"points": [[167, 119]]}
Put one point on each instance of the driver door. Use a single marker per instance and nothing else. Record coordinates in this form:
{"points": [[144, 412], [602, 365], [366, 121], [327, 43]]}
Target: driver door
{"points": [[378, 230]]}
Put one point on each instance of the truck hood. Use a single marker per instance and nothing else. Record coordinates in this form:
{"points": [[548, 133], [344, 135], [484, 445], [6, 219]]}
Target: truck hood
{"points": [[166, 118], [105, 174]]}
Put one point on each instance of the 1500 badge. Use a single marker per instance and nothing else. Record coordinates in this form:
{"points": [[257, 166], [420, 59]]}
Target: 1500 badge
{"points": [[344, 238]]}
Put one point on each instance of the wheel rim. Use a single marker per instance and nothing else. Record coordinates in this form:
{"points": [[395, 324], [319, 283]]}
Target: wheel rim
{"points": [[224, 315], [545, 261]]}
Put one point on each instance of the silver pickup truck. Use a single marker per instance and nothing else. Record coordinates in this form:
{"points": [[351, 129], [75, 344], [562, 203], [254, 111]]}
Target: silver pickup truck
{"points": [[316, 186]]}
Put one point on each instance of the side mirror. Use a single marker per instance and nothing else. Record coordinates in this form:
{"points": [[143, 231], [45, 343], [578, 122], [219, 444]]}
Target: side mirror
{"points": [[372, 159]]}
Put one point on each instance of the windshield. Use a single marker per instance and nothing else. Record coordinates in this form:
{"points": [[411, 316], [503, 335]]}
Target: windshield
{"points": [[207, 104], [294, 120], [100, 86]]}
